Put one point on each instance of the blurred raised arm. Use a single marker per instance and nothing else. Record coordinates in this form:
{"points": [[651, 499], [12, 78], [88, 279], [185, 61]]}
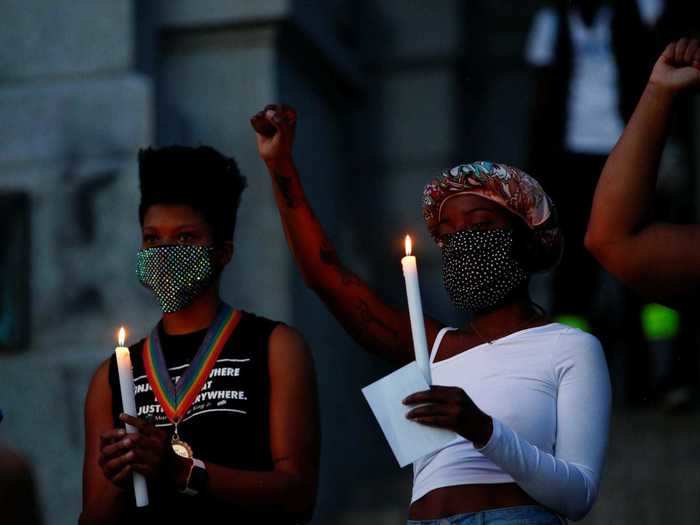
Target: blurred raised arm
{"points": [[658, 260]]}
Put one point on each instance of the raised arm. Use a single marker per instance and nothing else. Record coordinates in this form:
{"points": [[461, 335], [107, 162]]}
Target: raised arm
{"points": [[660, 260], [376, 326]]}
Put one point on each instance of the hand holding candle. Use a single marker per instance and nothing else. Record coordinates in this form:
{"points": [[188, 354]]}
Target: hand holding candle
{"points": [[415, 310], [409, 441], [126, 385]]}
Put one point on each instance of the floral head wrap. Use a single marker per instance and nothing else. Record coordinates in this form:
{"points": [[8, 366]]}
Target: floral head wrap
{"points": [[509, 187]]}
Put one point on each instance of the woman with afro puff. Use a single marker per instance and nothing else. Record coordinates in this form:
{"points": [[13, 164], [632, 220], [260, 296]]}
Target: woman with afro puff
{"points": [[227, 422]]}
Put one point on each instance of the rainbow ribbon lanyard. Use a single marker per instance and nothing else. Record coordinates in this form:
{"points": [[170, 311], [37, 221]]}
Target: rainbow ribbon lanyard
{"points": [[177, 399]]}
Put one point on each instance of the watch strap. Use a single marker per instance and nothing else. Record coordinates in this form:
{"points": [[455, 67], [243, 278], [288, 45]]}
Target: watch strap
{"points": [[189, 490]]}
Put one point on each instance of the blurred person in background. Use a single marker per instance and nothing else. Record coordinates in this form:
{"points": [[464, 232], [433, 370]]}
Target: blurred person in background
{"points": [[529, 398], [19, 504], [591, 59]]}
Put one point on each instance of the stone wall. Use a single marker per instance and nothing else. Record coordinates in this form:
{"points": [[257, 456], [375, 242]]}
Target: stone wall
{"points": [[74, 112]]}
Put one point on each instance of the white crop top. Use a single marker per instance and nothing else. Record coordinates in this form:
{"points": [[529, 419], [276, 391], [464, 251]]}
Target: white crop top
{"points": [[547, 389]]}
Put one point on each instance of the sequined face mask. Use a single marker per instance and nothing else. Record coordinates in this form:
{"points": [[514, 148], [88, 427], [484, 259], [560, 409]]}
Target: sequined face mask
{"points": [[176, 274], [478, 268]]}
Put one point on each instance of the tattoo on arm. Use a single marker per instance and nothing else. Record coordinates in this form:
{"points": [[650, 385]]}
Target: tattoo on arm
{"points": [[329, 256], [391, 339], [284, 184]]}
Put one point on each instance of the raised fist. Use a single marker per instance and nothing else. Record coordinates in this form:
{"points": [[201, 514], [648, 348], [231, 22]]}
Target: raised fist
{"points": [[678, 68], [274, 127]]}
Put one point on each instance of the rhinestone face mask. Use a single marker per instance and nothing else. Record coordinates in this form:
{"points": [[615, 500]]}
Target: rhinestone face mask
{"points": [[176, 274], [478, 268]]}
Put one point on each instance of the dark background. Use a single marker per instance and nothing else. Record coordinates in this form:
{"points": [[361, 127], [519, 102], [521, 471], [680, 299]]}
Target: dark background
{"points": [[388, 93]]}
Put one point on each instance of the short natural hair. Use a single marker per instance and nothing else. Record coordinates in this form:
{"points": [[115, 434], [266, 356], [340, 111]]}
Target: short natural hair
{"points": [[200, 177]]}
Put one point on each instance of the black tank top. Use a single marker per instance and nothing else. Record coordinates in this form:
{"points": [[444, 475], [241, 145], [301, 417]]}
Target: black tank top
{"points": [[227, 424]]}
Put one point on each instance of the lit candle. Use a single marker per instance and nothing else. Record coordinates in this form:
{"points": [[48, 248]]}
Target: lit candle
{"points": [[415, 311], [126, 385]]}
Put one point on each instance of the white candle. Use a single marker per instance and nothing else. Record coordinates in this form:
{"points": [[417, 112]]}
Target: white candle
{"points": [[126, 385], [415, 311]]}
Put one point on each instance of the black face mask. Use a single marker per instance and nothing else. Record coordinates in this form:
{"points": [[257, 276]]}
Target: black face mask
{"points": [[478, 268]]}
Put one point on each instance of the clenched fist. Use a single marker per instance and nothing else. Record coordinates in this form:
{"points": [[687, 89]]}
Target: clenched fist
{"points": [[678, 68], [274, 127]]}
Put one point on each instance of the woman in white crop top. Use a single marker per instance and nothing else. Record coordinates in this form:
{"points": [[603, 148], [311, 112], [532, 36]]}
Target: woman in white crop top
{"points": [[530, 399]]}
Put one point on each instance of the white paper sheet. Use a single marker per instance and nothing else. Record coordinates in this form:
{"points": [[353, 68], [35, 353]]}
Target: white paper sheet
{"points": [[408, 440]]}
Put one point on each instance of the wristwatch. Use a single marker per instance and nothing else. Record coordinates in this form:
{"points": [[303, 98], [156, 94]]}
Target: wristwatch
{"points": [[196, 479]]}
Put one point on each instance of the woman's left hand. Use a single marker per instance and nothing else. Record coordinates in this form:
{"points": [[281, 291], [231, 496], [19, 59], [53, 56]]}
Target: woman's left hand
{"points": [[147, 450], [451, 408]]}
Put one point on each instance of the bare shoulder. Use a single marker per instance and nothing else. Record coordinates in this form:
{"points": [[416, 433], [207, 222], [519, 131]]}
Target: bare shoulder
{"points": [[101, 375], [99, 391], [288, 347], [284, 336]]}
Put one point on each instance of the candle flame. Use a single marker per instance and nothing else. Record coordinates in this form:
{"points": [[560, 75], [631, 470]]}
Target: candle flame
{"points": [[409, 245], [122, 336]]}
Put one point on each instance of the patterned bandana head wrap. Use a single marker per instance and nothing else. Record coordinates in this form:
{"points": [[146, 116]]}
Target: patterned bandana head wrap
{"points": [[513, 189]]}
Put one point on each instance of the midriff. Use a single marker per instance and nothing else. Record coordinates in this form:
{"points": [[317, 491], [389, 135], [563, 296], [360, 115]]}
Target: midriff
{"points": [[462, 499]]}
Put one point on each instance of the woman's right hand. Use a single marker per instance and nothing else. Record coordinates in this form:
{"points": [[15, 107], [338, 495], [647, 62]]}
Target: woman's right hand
{"points": [[274, 127], [678, 67], [114, 460]]}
